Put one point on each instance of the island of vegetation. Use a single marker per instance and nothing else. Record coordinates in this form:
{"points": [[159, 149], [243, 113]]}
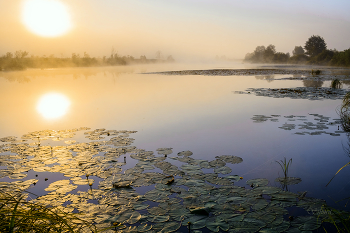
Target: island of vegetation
{"points": [[20, 60], [315, 52]]}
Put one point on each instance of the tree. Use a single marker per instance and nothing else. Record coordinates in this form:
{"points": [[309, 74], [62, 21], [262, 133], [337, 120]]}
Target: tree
{"points": [[315, 45], [270, 51], [298, 50]]}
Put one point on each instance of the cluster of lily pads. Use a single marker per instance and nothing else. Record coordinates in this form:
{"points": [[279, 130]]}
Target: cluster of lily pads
{"points": [[316, 126], [310, 93], [228, 72], [155, 195]]}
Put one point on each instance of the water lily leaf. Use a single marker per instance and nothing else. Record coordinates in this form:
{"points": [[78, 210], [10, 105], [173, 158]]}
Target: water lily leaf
{"points": [[170, 227], [144, 227], [198, 224], [217, 163], [223, 170], [122, 184], [282, 227], [185, 153], [157, 211], [310, 223], [234, 177], [200, 210], [165, 151], [215, 224], [130, 217], [140, 206], [257, 182], [17, 176], [178, 214], [157, 218], [230, 159], [204, 164], [288, 180], [41, 169], [61, 186], [268, 190], [261, 203]]}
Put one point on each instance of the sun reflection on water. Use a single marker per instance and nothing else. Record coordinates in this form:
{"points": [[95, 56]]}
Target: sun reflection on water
{"points": [[53, 105]]}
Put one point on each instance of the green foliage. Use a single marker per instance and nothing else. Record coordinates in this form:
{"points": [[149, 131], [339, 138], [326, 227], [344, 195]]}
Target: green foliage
{"points": [[322, 58], [298, 50], [268, 54], [20, 61], [341, 58], [301, 58], [315, 45], [19, 215], [281, 57]]}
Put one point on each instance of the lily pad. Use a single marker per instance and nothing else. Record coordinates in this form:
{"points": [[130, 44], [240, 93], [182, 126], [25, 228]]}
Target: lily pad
{"points": [[257, 182]]}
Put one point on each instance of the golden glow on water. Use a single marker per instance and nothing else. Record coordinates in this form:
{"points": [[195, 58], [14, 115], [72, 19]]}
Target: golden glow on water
{"points": [[48, 18], [53, 105]]}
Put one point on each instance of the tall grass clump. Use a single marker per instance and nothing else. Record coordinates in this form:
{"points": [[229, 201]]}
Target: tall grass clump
{"points": [[344, 113], [19, 215], [285, 166], [336, 84]]}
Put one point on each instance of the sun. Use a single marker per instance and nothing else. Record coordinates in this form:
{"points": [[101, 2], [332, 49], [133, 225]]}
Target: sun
{"points": [[53, 105], [47, 18]]}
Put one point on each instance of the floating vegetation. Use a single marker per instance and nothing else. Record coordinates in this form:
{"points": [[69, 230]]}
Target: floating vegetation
{"points": [[316, 72], [175, 197], [316, 126], [336, 84], [228, 72], [310, 93]]}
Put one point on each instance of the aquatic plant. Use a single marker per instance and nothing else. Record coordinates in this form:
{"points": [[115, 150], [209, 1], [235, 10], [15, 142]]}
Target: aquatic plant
{"points": [[19, 215], [285, 166], [316, 72], [176, 199], [336, 84], [340, 219]]}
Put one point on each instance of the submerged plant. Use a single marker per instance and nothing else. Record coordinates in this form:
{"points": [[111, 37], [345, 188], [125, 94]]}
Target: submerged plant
{"points": [[336, 84], [285, 166]]}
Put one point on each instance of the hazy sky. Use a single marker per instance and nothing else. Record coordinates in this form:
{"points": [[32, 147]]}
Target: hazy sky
{"points": [[183, 28]]}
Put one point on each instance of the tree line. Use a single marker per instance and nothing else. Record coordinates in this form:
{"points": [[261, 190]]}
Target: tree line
{"points": [[20, 60], [314, 52]]}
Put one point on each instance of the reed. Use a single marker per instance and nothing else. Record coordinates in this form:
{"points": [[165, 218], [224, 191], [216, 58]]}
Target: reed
{"points": [[19, 215], [285, 166], [336, 84]]}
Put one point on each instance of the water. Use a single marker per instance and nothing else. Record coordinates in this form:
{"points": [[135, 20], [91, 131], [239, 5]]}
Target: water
{"points": [[198, 113]]}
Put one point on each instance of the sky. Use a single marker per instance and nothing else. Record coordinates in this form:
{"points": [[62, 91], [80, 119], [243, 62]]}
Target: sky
{"points": [[185, 29]]}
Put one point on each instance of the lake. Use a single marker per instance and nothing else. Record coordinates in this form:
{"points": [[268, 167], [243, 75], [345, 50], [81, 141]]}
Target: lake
{"points": [[209, 115]]}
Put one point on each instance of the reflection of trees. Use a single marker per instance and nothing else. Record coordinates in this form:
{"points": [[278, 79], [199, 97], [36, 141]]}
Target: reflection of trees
{"points": [[268, 78], [76, 73], [312, 83]]}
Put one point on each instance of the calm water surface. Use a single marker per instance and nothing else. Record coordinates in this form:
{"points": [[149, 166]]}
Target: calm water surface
{"points": [[197, 113]]}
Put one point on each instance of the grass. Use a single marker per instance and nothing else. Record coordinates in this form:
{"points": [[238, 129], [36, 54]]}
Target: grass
{"points": [[285, 166], [340, 219], [19, 215], [344, 113], [336, 84]]}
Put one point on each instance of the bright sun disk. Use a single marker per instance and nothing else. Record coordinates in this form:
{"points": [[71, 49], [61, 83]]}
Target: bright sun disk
{"points": [[53, 105], [48, 18]]}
